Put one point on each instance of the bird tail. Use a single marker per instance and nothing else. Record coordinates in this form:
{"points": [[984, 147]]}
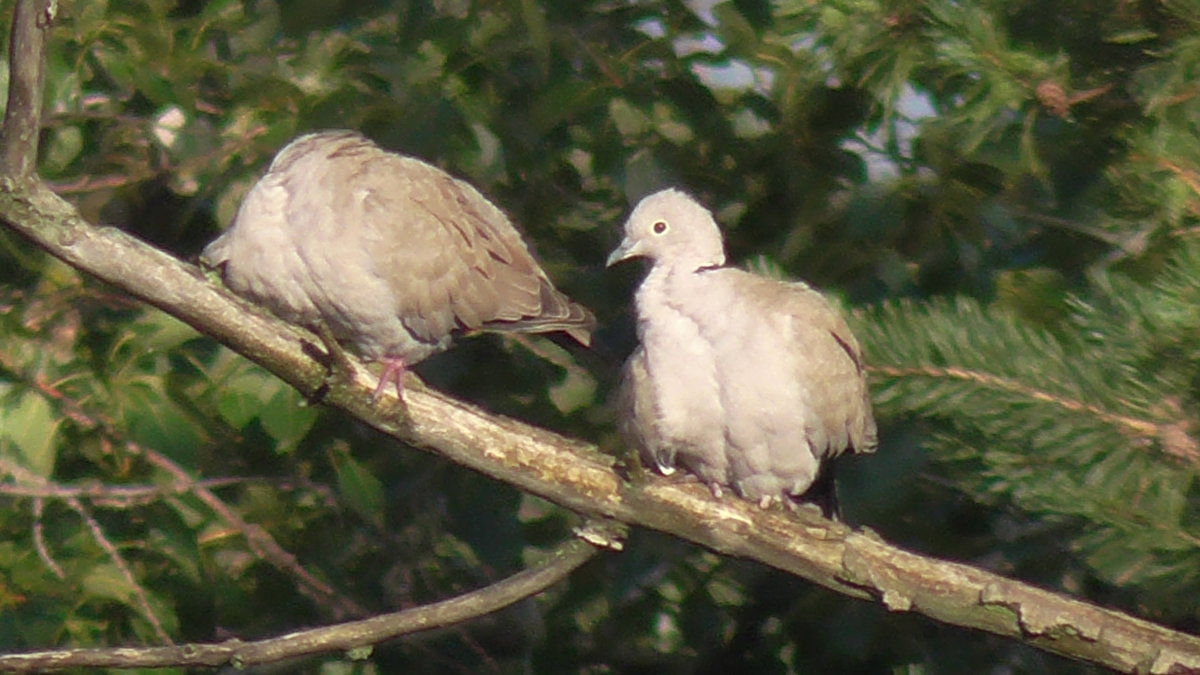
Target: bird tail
{"points": [[559, 313], [823, 491]]}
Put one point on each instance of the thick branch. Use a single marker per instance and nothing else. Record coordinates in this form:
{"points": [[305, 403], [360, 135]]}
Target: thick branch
{"points": [[342, 637], [576, 476], [22, 117]]}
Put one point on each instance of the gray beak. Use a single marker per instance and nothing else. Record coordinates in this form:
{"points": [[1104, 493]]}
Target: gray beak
{"points": [[628, 249]]}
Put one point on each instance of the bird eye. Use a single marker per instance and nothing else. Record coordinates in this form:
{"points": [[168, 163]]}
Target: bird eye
{"points": [[659, 227]]}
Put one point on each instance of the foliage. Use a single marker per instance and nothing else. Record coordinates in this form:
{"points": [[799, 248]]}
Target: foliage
{"points": [[1014, 187]]}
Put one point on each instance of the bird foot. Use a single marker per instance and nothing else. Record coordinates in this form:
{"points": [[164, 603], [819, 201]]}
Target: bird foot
{"points": [[338, 363], [393, 372]]}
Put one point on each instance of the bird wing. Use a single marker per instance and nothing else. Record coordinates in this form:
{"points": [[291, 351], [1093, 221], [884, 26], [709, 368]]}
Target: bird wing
{"points": [[825, 355], [454, 258], [636, 413]]}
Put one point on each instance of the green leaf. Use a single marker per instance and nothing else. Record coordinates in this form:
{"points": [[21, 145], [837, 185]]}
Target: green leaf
{"points": [[156, 421], [629, 120], [1132, 36], [1038, 294], [736, 32], [65, 144], [106, 581], [31, 426], [161, 332], [535, 28], [577, 390], [287, 417], [243, 396], [361, 490]]}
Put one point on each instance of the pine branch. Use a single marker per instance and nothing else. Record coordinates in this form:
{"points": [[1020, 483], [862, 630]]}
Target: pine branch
{"points": [[1136, 427], [1095, 424]]}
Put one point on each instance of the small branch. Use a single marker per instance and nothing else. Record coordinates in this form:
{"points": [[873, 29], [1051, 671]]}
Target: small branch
{"points": [[26, 60], [142, 599], [261, 543], [139, 593], [116, 496], [39, 540], [348, 636], [259, 540]]}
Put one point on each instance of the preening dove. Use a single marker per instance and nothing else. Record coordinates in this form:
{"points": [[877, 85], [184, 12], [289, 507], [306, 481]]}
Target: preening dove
{"points": [[745, 381], [393, 255]]}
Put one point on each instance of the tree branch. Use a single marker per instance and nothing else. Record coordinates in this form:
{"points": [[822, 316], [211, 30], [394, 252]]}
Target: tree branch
{"points": [[1165, 433], [27, 68], [353, 635], [573, 474]]}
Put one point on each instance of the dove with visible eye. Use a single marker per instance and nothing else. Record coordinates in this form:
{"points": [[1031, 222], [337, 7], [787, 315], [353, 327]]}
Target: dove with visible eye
{"points": [[746, 382]]}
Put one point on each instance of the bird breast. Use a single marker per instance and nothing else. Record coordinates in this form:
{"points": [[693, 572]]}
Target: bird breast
{"points": [[681, 370]]}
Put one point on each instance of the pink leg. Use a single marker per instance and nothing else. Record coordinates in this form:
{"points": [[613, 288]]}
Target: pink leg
{"points": [[393, 371]]}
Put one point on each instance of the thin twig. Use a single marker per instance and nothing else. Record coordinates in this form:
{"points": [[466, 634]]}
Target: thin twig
{"points": [[342, 637], [260, 541], [116, 496], [39, 540], [24, 475], [139, 593]]}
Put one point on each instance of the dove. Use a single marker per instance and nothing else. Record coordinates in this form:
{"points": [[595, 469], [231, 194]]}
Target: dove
{"points": [[392, 255], [744, 381]]}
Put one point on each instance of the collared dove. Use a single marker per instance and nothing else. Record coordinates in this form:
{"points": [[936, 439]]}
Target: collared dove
{"points": [[393, 255], [745, 381]]}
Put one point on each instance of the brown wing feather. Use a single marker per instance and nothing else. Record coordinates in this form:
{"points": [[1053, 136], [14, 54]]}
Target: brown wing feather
{"points": [[458, 259], [451, 259], [832, 356]]}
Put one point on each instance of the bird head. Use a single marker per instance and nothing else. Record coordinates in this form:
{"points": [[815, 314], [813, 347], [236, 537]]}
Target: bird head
{"points": [[671, 227]]}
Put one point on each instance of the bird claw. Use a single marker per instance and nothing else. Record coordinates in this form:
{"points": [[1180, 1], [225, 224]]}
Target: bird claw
{"points": [[339, 363], [393, 372], [394, 368]]}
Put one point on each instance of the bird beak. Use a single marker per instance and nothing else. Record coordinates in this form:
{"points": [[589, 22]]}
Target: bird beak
{"points": [[628, 249]]}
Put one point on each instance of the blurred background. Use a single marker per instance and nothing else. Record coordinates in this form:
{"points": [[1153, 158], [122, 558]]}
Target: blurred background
{"points": [[1003, 195]]}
